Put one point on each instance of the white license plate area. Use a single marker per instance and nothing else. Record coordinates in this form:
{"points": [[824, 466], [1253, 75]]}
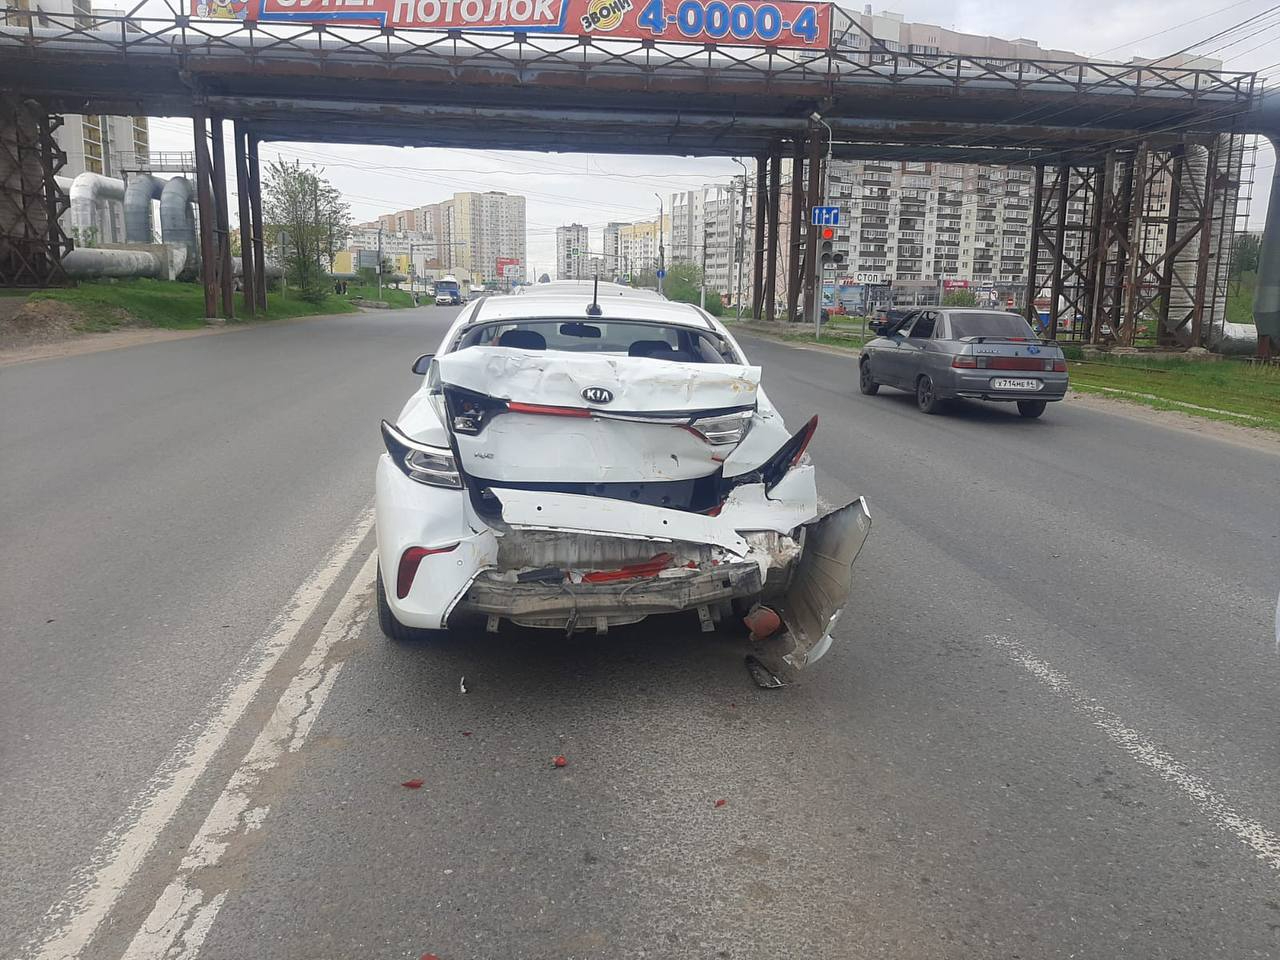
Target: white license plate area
{"points": [[1015, 383]]}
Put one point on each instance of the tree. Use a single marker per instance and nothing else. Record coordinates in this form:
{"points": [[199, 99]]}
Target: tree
{"points": [[959, 298], [313, 220], [1245, 249]]}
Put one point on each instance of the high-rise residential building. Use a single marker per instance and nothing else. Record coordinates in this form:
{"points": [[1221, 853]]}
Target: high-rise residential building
{"points": [[640, 245], [573, 252], [611, 251], [485, 232], [478, 235], [707, 230]]}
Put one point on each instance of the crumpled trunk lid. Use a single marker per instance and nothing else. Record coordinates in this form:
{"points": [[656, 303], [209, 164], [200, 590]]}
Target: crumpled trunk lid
{"points": [[533, 416]]}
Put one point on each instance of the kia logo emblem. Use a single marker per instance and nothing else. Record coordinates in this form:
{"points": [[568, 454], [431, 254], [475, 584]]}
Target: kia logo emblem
{"points": [[597, 395]]}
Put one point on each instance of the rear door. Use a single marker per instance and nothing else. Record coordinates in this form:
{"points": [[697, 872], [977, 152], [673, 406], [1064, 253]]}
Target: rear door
{"points": [[914, 349]]}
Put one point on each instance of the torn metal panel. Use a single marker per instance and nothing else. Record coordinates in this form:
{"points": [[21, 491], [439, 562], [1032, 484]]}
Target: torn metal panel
{"points": [[637, 384], [823, 581], [789, 504], [538, 510]]}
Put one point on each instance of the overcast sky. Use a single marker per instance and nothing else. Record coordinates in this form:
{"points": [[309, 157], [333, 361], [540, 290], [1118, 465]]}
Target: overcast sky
{"points": [[596, 188]]}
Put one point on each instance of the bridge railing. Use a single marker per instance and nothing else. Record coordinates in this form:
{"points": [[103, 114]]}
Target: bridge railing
{"points": [[848, 60]]}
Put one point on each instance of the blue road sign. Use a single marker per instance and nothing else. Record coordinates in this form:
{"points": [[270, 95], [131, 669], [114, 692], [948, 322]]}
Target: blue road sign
{"points": [[661, 274], [825, 216]]}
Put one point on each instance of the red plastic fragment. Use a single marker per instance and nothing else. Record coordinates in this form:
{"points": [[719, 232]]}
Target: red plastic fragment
{"points": [[762, 622], [559, 761], [721, 803], [428, 956], [412, 784], [466, 733], [632, 571]]}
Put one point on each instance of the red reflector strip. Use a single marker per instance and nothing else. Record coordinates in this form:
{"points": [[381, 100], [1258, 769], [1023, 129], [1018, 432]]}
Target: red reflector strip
{"points": [[409, 562], [547, 411], [632, 571], [1015, 363]]}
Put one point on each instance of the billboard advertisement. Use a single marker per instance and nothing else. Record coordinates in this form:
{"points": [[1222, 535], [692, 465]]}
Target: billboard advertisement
{"points": [[507, 268], [777, 23]]}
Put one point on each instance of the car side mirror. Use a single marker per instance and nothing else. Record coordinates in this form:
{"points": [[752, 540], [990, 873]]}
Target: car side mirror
{"points": [[423, 364]]}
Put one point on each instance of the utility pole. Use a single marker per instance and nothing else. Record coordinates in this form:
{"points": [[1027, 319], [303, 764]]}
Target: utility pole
{"points": [[702, 287], [817, 259], [738, 248], [379, 259], [662, 251], [412, 273]]}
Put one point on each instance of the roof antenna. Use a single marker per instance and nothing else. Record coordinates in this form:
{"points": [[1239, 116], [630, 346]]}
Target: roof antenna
{"points": [[593, 310]]}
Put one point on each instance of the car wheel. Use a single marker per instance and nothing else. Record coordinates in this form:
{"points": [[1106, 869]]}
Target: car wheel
{"points": [[392, 628], [865, 383], [926, 396], [1031, 408]]}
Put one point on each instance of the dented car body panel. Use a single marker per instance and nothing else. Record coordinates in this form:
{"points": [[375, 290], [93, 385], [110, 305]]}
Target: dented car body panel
{"points": [[551, 473]]}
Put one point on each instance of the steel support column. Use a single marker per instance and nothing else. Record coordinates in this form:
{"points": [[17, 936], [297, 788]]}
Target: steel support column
{"points": [[1096, 255], [1120, 233], [255, 213], [248, 275], [813, 197], [771, 255], [795, 263], [204, 200], [1163, 334], [761, 231], [1059, 248], [1033, 261], [1266, 297], [1202, 263], [32, 243], [226, 273], [1139, 190]]}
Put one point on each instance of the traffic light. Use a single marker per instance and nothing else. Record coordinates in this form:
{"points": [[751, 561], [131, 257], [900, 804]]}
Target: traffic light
{"points": [[829, 258]]}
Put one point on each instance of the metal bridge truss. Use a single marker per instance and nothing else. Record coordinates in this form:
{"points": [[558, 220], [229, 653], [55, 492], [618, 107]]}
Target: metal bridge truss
{"points": [[32, 243], [1137, 247]]}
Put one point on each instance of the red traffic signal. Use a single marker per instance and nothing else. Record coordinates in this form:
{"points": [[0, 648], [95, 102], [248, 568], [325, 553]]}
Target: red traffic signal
{"points": [[828, 233]]}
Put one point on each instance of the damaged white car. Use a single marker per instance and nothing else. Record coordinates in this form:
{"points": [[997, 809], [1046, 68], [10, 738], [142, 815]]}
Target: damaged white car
{"points": [[577, 459]]}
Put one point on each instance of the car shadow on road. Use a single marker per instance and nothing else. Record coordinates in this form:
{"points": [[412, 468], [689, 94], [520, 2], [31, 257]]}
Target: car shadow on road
{"points": [[968, 411]]}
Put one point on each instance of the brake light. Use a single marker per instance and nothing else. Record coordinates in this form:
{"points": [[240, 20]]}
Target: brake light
{"points": [[409, 561], [547, 411], [1060, 366], [965, 362]]}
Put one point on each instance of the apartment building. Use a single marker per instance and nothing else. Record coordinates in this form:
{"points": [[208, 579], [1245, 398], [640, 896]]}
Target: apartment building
{"points": [[476, 234], [642, 245], [611, 250], [707, 230], [573, 252]]}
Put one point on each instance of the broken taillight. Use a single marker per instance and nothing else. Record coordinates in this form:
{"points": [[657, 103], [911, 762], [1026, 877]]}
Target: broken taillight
{"points": [[727, 428], [409, 561]]}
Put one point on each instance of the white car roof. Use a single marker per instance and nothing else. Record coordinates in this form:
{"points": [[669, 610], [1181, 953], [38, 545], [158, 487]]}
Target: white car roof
{"points": [[570, 288], [574, 307]]}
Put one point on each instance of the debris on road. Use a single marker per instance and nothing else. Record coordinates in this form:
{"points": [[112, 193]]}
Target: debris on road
{"points": [[466, 733], [462, 684], [721, 802], [414, 784], [762, 622], [559, 761], [762, 675]]}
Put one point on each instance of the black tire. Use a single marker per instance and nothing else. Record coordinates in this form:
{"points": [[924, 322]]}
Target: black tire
{"points": [[392, 628], [865, 383], [926, 396], [1031, 408]]}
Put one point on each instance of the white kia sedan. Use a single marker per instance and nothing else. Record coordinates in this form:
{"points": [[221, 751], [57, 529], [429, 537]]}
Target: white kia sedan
{"points": [[578, 458]]}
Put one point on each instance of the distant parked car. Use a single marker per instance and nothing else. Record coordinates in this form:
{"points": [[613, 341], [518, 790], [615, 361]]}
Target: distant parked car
{"points": [[940, 354]]}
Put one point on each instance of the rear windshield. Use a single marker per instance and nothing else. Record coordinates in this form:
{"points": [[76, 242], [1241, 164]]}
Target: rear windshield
{"points": [[626, 338], [989, 325]]}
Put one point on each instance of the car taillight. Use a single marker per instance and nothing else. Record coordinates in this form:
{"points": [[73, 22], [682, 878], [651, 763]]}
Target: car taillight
{"points": [[729, 428], [1059, 366], [966, 362], [421, 462], [409, 561]]}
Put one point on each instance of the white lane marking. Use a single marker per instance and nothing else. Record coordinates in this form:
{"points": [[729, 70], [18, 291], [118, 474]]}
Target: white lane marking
{"points": [[70, 924], [1264, 843], [180, 919]]}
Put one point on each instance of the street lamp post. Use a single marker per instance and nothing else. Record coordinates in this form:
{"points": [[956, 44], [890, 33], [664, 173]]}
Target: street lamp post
{"points": [[736, 250], [662, 252]]}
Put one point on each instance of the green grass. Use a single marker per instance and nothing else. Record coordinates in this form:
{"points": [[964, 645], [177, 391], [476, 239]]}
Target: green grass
{"points": [[838, 332], [390, 295], [1227, 389], [106, 305]]}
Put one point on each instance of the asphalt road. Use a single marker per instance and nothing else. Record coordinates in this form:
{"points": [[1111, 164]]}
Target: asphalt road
{"points": [[1047, 728]]}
